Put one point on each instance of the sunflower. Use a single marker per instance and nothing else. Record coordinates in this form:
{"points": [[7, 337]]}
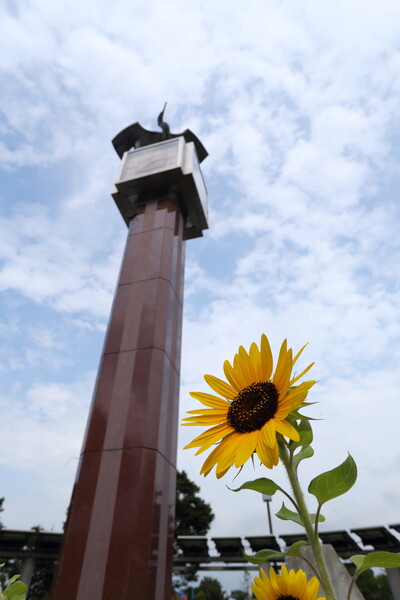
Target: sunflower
{"points": [[286, 586], [251, 408]]}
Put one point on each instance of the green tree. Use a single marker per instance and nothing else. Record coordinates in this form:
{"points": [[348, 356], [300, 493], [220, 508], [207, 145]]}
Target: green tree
{"points": [[1, 510], [39, 588], [239, 595], [208, 589], [374, 587], [193, 516]]}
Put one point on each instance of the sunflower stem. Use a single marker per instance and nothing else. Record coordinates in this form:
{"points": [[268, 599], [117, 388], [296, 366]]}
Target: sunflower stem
{"points": [[313, 569], [352, 583], [290, 498], [306, 520], [317, 521]]}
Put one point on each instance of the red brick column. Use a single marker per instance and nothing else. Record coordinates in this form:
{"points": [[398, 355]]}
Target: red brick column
{"points": [[118, 542]]}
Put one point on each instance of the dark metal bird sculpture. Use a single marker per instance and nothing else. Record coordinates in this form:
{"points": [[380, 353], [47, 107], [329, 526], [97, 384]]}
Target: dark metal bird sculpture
{"points": [[136, 136]]}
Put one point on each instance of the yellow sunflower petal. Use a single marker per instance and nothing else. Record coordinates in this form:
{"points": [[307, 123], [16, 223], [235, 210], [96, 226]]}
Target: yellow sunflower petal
{"points": [[247, 365], [284, 408], [231, 376], [274, 578], [288, 430], [264, 576], [258, 589], [283, 580], [281, 360], [231, 445], [283, 372], [292, 381], [266, 359], [299, 394], [207, 411], [268, 433], [204, 420], [242, 360], [241, 374], [292, 582], [212, 459], [223, 455], [258, 592], [221, 387], [255, 358], [301, 584], [210, 400], [268, 456], [209, 437], [266, 581], [247, 446], [299, 353], [220, 473], [312, 588], [262, 588]]}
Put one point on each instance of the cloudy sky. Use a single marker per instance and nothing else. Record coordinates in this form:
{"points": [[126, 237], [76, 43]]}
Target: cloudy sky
{"points": [[298, 106]]}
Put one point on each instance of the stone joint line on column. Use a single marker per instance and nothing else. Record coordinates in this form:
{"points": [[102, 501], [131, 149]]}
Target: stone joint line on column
{"points": [[153, 229], [136, 348], [152, 279], [128, 448]]}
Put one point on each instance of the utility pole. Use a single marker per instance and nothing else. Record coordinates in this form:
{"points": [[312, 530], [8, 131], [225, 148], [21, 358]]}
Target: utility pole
{"points": [[268, 499]]}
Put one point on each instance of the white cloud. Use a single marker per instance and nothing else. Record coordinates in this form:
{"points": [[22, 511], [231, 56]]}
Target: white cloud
{"points": [[41, 437], [57, 260]]}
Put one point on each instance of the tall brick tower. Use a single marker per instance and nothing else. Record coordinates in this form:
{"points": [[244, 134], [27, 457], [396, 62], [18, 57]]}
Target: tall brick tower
{"points": [[118, 542]]}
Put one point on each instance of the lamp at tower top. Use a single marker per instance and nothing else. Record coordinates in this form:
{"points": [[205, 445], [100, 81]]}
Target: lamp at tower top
{"points": [[156, 163]]}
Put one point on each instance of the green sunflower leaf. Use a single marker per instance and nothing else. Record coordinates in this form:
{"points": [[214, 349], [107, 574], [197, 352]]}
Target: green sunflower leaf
{"points": [[13, 579], [295, 415], [306, 452], [334, 483], [265, 555], [15, 591], [357, 560], [262, 485], [306, 435], [294, 549], [386, 560], [262, 556], [289, 515]]}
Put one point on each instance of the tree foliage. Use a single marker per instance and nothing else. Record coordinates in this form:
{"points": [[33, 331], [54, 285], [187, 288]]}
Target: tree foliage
{"points": [[374, 587], [239, 595], [193, 516], [208, 589], [39, 588], [1, 510]]}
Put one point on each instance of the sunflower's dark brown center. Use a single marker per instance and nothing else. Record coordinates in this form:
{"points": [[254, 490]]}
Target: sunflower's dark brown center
{"points": [[254, 406], [286, 597]]}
